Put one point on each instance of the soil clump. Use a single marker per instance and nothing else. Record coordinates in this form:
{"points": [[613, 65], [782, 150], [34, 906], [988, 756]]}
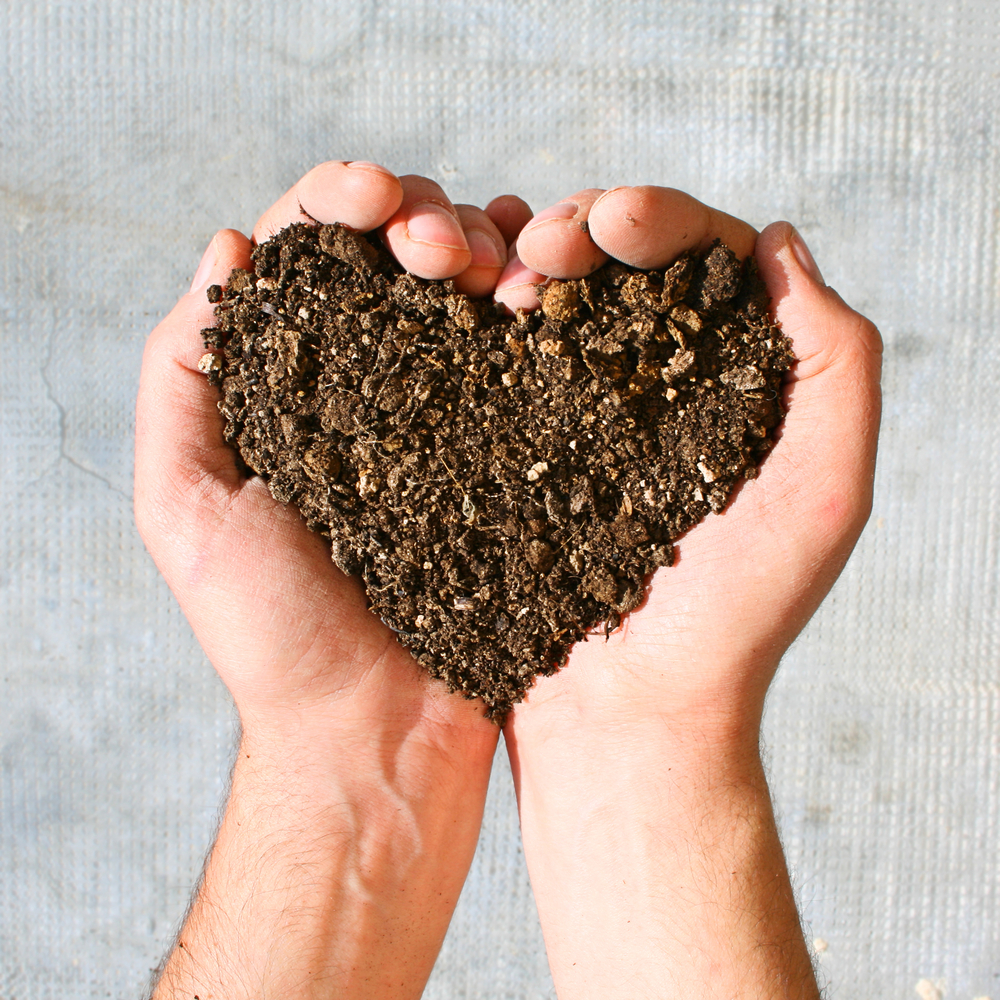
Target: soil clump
{"points": [[502, 485]]}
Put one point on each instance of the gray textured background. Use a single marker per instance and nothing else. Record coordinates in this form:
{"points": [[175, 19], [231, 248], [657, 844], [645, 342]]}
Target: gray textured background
{"points": [[131, 132]]}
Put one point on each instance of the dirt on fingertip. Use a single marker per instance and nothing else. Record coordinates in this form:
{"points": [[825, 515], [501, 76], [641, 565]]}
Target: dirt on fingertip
{"points": [[503, 486]]}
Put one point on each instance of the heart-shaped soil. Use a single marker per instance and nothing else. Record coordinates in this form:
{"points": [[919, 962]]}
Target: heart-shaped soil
{"points": [[502, 485]]}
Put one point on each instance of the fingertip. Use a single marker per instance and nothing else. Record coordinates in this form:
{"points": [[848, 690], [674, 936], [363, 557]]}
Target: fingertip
{"points": [[516, 288], [227, 250], [488, 252], [369, 167], [827, 448], [358, 194], [420, 253], [432, 224], [773, 242], [822, 327], [736, 234], [557, 242], [234, 245], [650, 226], [510, 215], [177, 339], [425, 232], [789, 282]]}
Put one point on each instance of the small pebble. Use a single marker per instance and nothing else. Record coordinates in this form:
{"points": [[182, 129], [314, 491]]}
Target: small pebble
{"points": [[707, 473], [537, 471]]}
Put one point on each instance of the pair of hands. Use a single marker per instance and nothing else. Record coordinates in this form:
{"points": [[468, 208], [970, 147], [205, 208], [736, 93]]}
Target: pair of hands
{"points": [[289, 634], [315, 676]]}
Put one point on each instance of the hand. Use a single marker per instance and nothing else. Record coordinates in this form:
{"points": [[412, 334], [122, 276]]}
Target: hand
{"points": [[706, 642], [359, 786], [288, 633], [645, 814]]}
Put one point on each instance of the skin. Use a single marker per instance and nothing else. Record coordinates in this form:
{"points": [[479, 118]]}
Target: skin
{"points": [[647, 824], [510, 215], [358, 790]]}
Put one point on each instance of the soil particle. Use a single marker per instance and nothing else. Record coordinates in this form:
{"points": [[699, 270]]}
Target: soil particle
{"points": [[502, 485]]}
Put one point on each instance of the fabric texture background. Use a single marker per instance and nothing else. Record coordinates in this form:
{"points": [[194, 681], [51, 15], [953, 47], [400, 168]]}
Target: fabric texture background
{"points": [[129, 133]]}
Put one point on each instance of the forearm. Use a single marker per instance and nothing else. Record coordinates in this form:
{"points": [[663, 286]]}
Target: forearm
{"points": [[657, 868], [334, 873]]}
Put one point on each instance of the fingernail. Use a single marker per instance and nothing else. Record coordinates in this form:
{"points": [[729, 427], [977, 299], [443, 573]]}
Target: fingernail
{"points": [[804, 257], [375, 168], [517, 273], [485, 252], [564, 210], [621, 187], [434, 224], [204, 272]]}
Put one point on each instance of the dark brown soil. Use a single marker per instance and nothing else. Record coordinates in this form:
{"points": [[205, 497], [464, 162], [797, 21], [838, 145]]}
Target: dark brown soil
{"points": [[502, 485]]}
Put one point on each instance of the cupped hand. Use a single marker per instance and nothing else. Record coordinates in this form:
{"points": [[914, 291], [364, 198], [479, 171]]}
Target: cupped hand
{"points": [[703, 648], [289, 634]]}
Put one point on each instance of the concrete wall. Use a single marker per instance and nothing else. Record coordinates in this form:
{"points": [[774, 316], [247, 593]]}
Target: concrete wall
{"points": [[129, 133]]}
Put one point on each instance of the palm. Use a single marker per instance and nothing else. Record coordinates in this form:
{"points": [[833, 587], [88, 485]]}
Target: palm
{"points": [[735, 592], [265, 557]]}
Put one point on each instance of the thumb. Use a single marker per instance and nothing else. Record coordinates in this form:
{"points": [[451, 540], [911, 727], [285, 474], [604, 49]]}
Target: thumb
{"points": [[825, 458], [181, 458]]}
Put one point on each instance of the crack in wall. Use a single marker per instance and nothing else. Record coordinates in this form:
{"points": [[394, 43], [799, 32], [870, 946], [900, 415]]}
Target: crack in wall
{"points": [[61, 410]]}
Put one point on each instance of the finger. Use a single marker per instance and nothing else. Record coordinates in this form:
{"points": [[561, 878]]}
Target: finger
{"points": [[557, 241], [424, 233], [516, 287], [179, 449], [359, 194], [650, 226], [510, 215], [831, 430], [488, 249]]}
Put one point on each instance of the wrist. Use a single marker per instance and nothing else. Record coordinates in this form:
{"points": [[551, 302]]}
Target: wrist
{"points": [[578, 731], [403, 716], [655, 863], [641, 688], [339, 860], [339, 757], [610, 770]]}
